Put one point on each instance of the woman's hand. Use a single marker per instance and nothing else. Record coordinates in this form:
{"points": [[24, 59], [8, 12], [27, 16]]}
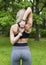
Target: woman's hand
{"points": [[21, 30]]}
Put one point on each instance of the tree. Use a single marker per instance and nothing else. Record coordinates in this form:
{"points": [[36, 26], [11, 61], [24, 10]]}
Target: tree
{"points": [[12, 6], [44, 17], [37, 7]]}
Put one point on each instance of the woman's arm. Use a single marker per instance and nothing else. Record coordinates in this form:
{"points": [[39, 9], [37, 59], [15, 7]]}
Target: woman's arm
{"points": [[27, 12], [28, 26], [29, 22], [12, 38]]}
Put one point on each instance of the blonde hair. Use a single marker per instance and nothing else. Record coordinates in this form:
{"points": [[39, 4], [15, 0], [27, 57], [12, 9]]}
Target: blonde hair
{"points": [[20, 15]]}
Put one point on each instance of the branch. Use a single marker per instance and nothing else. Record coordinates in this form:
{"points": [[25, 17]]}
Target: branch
{"points": [[42, 7], [32, 3]]}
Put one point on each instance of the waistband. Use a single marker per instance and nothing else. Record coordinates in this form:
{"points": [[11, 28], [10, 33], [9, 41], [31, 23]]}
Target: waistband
{"points": [[20, 44]]}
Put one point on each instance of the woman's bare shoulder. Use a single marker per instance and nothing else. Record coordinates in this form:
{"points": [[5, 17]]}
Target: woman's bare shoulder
{"points": [[14, 27]]}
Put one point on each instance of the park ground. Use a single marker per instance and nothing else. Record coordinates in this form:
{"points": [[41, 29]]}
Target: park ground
{"points": [[37, 48]]}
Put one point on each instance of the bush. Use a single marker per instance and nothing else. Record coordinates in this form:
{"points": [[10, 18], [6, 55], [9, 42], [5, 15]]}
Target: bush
{"points": [[43, 33], [6, 20], [32, 34]]}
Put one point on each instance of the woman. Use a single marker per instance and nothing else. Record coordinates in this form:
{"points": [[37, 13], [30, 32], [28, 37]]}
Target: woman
{"points": [[19, 34]]}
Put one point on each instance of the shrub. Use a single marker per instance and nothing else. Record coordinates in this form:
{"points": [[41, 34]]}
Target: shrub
{"points": [[32, 34], [43, 33], [6, 20]]}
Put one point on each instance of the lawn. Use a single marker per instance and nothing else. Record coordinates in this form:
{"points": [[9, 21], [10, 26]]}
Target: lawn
{"points": [[37, 48]]}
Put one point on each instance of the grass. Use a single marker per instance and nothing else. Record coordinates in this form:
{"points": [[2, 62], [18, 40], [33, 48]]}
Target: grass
{"points": [[37, 48]]}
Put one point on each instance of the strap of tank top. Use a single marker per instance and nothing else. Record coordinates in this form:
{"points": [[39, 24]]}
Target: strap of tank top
{"points": [[18, 24]]}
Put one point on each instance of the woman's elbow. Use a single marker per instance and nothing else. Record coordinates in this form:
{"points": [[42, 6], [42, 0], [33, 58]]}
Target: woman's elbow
{"points": [[29, 9], [12, 41]]}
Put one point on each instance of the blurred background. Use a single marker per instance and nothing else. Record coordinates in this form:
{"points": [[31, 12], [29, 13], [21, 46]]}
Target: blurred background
{"points": [[37, 38]]}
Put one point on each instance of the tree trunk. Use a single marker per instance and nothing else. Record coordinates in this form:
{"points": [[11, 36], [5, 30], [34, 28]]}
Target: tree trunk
{"points": [[37, 34], [37, 25]]}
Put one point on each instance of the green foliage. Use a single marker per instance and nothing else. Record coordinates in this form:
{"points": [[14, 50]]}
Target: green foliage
{"points": [[44, 13], [6, 20], [7, 31], [32, 34], [2, 3], [25, 4], [43, 1], [37, 19], [40, 5], [43, 33]]}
